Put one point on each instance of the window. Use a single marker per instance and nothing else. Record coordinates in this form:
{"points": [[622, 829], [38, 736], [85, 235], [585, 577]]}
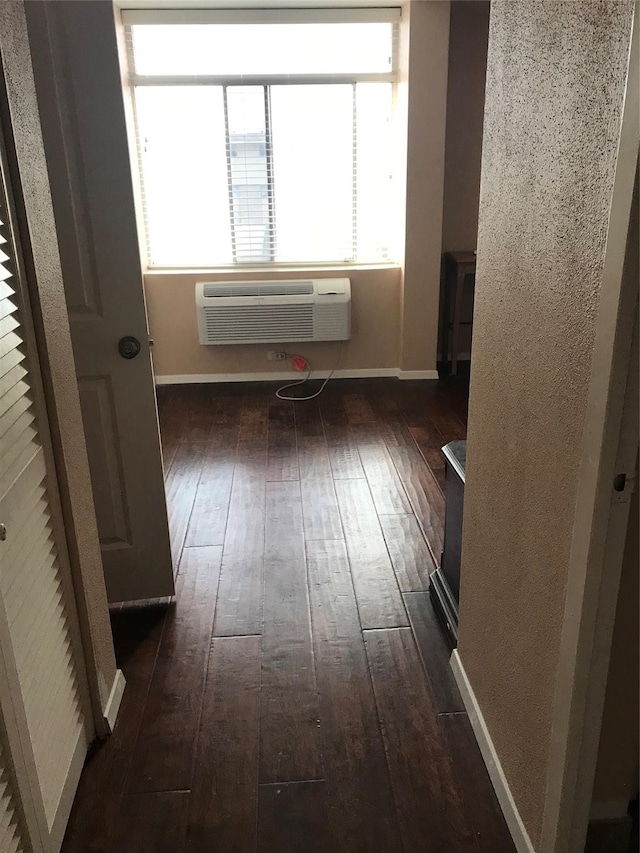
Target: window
{"points": [[264, 137]]}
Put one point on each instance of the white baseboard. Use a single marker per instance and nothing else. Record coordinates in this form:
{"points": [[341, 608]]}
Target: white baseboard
{"points": [[499, 780], [292, 375], [115, 698], [417, 374]]}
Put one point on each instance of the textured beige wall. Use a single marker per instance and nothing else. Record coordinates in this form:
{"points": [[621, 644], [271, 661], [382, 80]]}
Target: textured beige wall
{"points": [[468, 38], [52, 327], [375, 295], [555, 83]]}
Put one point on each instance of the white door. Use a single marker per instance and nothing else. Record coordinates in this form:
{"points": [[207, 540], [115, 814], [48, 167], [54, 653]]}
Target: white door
{"points": [[46, 723], [76, 67]]}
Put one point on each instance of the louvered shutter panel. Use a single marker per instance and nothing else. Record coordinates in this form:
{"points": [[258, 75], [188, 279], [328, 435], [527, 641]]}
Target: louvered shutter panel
{"points": [[35, 609], [10, 832]]}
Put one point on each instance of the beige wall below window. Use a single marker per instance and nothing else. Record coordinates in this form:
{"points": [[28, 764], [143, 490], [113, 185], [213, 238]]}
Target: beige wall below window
{"points": [[374, 343]]}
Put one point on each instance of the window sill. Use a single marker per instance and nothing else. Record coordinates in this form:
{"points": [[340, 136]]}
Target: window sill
{"points": [[239, 272]]}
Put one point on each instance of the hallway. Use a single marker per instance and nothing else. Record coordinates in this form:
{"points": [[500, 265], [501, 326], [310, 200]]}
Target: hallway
{"points": [[297, 696]]}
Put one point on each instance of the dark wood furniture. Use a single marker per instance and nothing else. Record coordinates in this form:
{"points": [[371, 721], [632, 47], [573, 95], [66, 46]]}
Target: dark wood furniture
{"points": [[457, 266]]}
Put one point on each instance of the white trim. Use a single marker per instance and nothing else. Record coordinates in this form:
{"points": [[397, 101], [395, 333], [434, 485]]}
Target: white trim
{"points": [[255, 4], [311, 269], [288, 375], [115, 698], [496, 773], [417, 374], [259, 80], [389, 15]]}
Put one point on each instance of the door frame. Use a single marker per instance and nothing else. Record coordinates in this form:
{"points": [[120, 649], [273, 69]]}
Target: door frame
{"points": [[610, 446], [55, 387]]}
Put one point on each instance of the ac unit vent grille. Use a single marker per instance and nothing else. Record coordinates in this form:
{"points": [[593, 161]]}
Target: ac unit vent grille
{"points": [[329, 322], [259, 323], [276, 288]]}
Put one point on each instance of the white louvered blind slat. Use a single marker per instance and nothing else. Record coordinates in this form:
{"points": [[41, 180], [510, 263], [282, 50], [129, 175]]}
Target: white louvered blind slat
{"points": [[10, 360], [7, 324], [8, 342], [6, 305], [18, 392]]}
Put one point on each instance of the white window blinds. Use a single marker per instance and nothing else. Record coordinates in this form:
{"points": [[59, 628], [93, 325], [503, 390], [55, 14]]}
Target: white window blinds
{"points": [[267, 142]]}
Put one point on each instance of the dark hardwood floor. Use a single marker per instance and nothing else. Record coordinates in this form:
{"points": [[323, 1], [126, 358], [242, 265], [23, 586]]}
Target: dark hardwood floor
{"points": [[297, 695]]}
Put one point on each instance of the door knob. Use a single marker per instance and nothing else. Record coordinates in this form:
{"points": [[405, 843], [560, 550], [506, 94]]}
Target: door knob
{"points": [[128, 347]]}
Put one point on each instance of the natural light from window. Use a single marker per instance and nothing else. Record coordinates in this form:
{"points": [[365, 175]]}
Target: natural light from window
{"points": [[262, 144]]}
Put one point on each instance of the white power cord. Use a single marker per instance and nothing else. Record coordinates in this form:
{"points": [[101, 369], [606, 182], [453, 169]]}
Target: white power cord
{"points": [[288, 398]]}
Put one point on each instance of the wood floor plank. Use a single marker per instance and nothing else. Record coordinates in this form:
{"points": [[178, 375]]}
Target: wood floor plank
{"points": [[293, 818], [434, 648], [411, 559], [389, 496], [319, 503], [181, 485], [138, 630], [425, 495], [201, 419], [308, 419], [358, 409], [430, 444], [289, 742], [331, 405], [171, 420], [341, 444], [359, 800], [163, 756], [239, 607], [228, 412], [343, 454], [152, 823], [254, 418], [445, 419], [223, 804], [480, 803], [208, 520], [393, 429], [429, 803], [379, 600], [434, 404], [282, 449]]}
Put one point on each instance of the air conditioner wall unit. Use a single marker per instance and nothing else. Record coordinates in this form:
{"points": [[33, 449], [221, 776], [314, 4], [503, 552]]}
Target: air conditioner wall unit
{"points": [[264, 312]]}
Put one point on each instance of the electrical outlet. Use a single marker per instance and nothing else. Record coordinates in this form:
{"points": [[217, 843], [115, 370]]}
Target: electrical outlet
{"points": [[276, 355]]}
